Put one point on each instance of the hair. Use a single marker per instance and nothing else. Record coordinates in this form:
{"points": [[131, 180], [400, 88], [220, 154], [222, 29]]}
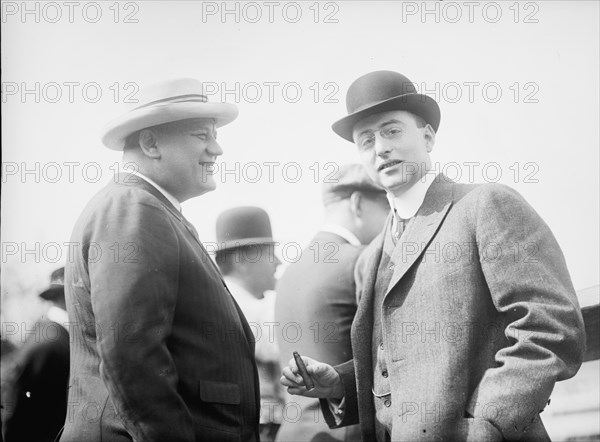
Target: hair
{"points": [[226, 260], [132, 141], [419, 121]]}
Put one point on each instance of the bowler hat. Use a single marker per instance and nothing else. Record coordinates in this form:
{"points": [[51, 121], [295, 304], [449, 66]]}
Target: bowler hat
{"points": [[57, 285], [382, 91], [166, 102], [243, 226], [348, 179]]}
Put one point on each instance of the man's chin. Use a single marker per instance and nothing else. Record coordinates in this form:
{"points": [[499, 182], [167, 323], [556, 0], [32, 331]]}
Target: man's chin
{"points": [[206, 187], [395, 186], [209, 184]]}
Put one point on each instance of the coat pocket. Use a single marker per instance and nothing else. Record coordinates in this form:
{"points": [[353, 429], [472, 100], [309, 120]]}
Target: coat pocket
{"points": [[219, 392]]}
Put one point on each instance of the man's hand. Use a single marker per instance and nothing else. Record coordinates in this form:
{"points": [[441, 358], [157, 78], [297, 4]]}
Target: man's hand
{"points": [[328, 384]]}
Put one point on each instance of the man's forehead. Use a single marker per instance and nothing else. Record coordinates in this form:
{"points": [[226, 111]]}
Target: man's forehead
{"points": [[374, 121]]}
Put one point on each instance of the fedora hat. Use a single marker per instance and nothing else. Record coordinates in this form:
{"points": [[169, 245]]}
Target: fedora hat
{"points": [[243, 226], [348, 179], [57, 285], [166, 102], [382, 91]]}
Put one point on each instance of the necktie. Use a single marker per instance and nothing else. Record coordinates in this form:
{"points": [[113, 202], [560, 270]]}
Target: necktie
{"points": [[400, 225]]}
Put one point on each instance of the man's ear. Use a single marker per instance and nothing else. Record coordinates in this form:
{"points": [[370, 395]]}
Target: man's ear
{"points": [[149, 143], [356, 204], [429, 135]]}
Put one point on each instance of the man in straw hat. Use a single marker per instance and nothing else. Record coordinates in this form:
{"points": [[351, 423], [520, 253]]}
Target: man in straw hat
{"points": [[161, 351], [317, 292], [449, 344], [246, 256]]}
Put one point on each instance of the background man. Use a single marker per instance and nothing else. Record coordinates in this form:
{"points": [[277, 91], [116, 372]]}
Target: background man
{"points": [[161, 351], [246, 257], [460, 346], [318, 291], [34, 388]]}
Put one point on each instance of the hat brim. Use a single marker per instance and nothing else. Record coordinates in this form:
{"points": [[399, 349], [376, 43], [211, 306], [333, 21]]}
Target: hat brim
{"points": [[238, 243], [117, 130], [53, 292], [418, 104]]}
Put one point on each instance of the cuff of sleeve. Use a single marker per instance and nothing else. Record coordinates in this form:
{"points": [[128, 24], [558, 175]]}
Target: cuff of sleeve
{"points": [[337, 409]]}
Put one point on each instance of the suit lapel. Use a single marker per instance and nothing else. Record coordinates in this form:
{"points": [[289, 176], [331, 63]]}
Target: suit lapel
{"points": [[424, 226]]}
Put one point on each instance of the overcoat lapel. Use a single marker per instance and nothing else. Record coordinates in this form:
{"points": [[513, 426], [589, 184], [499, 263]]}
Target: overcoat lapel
{"points": [[423, 228], [132, 180], [363, 322], [362, 331]]}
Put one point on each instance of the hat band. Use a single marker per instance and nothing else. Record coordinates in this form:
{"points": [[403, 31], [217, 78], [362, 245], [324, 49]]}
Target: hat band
{"points": [[177, 99]]}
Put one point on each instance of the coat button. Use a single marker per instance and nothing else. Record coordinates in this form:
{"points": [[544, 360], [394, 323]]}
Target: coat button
{"points": [[381, 346], [387, 403], [384, 373]]}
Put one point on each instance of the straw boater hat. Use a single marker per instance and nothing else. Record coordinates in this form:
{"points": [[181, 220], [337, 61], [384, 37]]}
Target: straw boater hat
{"points": [[382, 91], [243, 227], [166, 102]]}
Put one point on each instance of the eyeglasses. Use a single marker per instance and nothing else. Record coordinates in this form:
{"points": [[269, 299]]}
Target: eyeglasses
{"points": [[367, 139]]}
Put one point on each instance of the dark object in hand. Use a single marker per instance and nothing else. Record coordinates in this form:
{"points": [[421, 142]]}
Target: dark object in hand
{"points": [[303, 372]]}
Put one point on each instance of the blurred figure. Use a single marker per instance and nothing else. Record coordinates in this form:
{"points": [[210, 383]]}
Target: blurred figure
{"points": [[246, 257], [36, 400], [7, 353], [318, 292]]}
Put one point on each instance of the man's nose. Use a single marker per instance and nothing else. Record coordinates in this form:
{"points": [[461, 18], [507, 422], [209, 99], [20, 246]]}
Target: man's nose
{"points": [[215, 148], [382, 146]]}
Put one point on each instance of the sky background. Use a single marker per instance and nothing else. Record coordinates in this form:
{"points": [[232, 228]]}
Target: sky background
{"points": [[541, 133]]}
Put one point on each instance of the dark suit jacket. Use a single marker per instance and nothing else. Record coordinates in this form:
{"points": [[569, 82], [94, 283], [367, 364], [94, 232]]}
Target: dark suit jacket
{"points": [[161, 351], [480, 319], [318, 294], [37, 403]]}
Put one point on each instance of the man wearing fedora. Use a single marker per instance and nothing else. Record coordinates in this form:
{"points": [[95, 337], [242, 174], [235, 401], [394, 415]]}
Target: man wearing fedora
{"points": [[447, 346], [161, 350], [246, 256], [34, 389], [317, 292]]}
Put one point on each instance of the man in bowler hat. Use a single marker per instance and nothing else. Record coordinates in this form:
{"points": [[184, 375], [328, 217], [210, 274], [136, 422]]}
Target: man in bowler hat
{"points": [[161, 350], [461, 346], [35, 388], [246, 256], [317, 292]]}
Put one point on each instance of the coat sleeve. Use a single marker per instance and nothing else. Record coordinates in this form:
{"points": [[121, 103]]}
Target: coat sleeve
{"points": [[350, 414], [133, 262], [530, 286]]}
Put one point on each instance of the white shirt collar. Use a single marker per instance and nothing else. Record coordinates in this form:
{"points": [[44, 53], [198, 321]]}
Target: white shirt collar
{"points": [[167, 195], [342, 232], [408, 204], [58, 315]]}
